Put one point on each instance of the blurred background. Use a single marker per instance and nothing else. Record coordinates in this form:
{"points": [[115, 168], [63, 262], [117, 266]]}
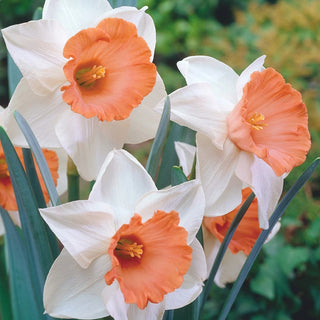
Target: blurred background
{"points": [[285, 281]]}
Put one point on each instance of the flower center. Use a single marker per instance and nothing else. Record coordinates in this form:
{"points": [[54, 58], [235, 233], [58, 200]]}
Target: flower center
{"points": [[4, 172], [128, 248], [255, 120], [87, 77]]}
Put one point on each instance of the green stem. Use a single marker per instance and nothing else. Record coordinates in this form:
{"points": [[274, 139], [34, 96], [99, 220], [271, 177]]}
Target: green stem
{"points": [[73, 181]]}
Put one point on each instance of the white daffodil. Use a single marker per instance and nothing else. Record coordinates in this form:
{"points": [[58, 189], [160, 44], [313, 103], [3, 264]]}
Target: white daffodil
{"points": [[214, 229], [251, 130], [88, 83], [129, 250]]}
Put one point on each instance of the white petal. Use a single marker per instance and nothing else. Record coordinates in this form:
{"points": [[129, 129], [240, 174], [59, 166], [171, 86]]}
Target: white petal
{"points": [[186, 198], [223, 79], [14, 215], [231, 264], [215, 169], [36, 47], [186, 153], [229, 199], [273, 232], [41, 113], [144, 121], [142, 20], [75, 15], [84, 227], [73, 292], [230, 268], [266, 186], [121, 182], [256, 65], [88, 141], [119, 310], [193, 280], [211, 246], [195, 106]]}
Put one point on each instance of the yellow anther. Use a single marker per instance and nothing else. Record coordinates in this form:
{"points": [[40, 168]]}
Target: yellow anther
{"points": [[255, 120], [88, 76], [126, 247]]}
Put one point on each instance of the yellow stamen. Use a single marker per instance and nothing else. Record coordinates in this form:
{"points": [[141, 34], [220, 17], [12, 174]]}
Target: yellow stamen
{"points": [[4, 172], [254, 120], [126, 247], [88, 76]]}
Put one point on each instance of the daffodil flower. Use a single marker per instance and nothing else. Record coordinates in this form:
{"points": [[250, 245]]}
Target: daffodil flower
{"points": [[214, 230], [89, 83], [129, 250], [251, 131]]}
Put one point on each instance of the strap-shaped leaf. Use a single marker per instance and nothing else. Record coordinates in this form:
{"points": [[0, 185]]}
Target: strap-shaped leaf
{"points": [[40, 159], [120, 3], [36, 187], [159, 141], [263, 236], [37, 244], [5, 301], [177, 176], [33, 177], [14, 75], [25, 302], [169, 157]]}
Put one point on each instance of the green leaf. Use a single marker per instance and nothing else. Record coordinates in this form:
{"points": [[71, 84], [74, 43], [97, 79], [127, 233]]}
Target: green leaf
{"points": [[168, 315], [37, 15], [73, 181], [120, 3], [14, 75], [170, 158], [5, 302], [36, 187], [177, 176], [189, 312], [38, 249], [159, 141], [38, 154], [24, 299], [263, 236], [33, 177]]}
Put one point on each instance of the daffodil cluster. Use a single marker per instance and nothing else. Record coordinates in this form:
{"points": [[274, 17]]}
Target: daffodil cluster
{"points": [[89, 86]]}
